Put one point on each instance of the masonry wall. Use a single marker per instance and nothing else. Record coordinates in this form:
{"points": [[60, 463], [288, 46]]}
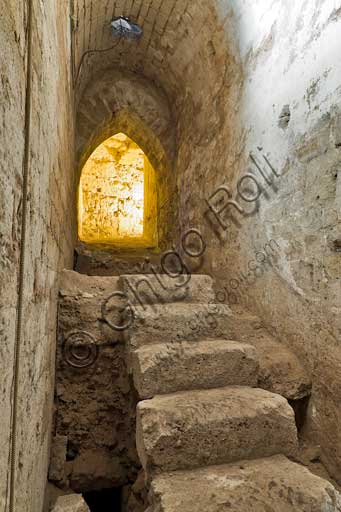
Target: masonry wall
{"points": [[116, 101], [50, 233], [12, 107], [112, 181]]}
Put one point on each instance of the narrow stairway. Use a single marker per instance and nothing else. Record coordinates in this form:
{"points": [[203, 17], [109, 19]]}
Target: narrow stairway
{"points": [[208, 438]]}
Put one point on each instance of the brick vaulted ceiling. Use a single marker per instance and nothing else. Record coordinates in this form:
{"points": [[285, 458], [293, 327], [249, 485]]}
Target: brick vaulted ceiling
{"points": [[177, 35]]}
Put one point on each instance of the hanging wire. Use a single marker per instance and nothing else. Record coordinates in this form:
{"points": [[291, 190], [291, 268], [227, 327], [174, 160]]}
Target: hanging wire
{"points": [[88, 52], [122, 28]]}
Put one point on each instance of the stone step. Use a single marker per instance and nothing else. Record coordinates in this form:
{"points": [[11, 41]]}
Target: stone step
{"points": [[162, 289], [274, 484], [170, 323], [70, 503], [167, 368], [280, 370], [199, 428]]}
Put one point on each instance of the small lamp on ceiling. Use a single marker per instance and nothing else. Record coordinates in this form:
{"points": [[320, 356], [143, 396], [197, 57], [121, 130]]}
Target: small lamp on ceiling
{"points": [[123, 27]]}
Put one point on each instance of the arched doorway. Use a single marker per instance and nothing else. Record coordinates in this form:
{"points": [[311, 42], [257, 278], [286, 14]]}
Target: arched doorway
{"points": [[117, 196]]}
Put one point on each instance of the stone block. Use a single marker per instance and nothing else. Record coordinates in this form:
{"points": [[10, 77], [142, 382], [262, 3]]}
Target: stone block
{"points": [[199, 428], [70, 503], [167, 368], [58, 458], [274, 484], [176, 322], [163, 289]]}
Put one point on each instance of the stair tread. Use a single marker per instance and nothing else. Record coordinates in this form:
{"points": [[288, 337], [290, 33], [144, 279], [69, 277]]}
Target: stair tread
{"points": [[274, 484], [197, 428], [167, 368], [178, 322]]}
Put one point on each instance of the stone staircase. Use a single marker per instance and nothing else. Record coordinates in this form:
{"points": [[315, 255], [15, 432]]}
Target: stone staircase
{"points": [[208, 438]]}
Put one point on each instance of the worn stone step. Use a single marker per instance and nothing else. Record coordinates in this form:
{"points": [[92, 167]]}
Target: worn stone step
{"points": [[280, 370], [273, 484], [159, 323], [178, 322], [167, 368], [199, 428], [70, 503], [162, 289]]}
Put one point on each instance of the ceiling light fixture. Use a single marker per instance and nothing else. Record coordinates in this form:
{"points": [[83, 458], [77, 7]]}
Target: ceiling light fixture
{"points": [[124, 27]]}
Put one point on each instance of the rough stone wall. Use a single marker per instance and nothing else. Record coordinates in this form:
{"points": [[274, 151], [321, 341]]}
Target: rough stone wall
{"points": [[111, 196], [118, 101], [50, 233], [94, 427], [12, 108]]}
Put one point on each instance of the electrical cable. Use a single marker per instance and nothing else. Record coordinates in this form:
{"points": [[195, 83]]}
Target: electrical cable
{"points": [[20, 307], [94, 51]]}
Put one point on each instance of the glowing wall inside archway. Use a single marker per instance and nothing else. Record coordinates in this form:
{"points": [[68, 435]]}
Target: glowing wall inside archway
{"points": [[117, 198]]}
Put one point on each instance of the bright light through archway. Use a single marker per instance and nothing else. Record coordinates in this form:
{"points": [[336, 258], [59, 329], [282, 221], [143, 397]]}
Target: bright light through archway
{"points": [[117, 195]]}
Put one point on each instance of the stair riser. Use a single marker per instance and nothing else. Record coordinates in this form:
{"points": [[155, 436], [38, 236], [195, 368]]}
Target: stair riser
{"points": [[146, 290], [162, 369], [189, 322], [196, 429]]}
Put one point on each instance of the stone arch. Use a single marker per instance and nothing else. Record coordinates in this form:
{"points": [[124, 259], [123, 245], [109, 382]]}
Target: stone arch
{"points": [[115, 97], [117, 196], [136, 129], [124, 102]]}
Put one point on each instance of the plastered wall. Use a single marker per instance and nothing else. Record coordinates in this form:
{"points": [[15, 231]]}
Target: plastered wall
{"points": [[290, 54]]}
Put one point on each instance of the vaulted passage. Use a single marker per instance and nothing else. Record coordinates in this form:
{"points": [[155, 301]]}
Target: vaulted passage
{"points": [[170, 234], [117, 197]]}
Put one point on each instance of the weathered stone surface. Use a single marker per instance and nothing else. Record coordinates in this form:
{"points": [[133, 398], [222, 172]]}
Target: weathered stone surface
{"points": [[94, 262], [223, 103], [280, 370], [162, 289], [135, 497], [97, 468], [79, 286], [176, 322], [58, 458], [273, 485], [70, 503], [117, 165], [123, 101], [49, 229], [167, 368], [95, 405], [82, 298], [198, 428]]}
